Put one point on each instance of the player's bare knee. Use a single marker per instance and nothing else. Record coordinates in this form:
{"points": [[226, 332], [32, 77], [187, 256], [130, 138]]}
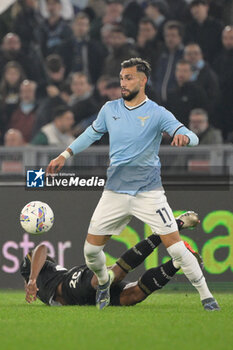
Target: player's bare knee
{"points": [[170, 239]]}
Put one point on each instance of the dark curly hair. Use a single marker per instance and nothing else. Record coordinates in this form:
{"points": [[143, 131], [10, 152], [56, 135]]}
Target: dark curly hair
{"points": [[142, 65]]}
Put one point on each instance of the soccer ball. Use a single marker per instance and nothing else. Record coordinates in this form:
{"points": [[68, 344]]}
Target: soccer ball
{"points": [[36, 217]]}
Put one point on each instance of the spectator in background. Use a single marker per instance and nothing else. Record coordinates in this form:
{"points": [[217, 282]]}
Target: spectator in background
{"points": [[79, 5], [82, 103], [164, 76], [157, 11], [187, 96], [223, 66], [133, 11], [113, 15], [106, 36], [111, 91], [6, 19], [178, 10], [56, 35], [204, 76], [94, 7], [67, 11], [12, 77], [24, 117], [121, 50], [56, 72], [204, 30], [14, 138], [27, 23], [148, 43], [88, 55], [100, 90], [53, 94], [199, 124], [58, 132], [11, 50]]}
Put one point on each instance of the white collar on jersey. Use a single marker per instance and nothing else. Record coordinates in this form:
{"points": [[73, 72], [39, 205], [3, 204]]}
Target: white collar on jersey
{"points": [[133, 107]]}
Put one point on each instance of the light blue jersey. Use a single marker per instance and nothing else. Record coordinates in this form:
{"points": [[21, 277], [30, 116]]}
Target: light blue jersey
{"points": [[135, 135]]}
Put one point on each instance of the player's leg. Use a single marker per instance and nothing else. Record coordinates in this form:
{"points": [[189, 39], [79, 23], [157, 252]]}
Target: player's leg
{"points": [[159, 216], [133, 257], [183, 258], [95, 257], [96, 261], [152, 280], [107, 220]]}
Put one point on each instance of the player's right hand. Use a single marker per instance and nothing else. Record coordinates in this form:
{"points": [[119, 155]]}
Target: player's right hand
{"points": [[55, 165], [31, 291]]}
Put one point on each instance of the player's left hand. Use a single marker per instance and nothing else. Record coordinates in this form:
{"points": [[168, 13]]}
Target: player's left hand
{"points": [[180, 140], [31, 291]]}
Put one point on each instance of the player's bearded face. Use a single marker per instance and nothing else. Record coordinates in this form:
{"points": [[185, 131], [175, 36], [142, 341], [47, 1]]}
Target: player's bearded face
{"points": [[129, 95], [131, 82]]}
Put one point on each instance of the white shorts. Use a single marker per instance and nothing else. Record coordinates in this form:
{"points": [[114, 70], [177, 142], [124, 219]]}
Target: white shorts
{"points": [[115, 210]]}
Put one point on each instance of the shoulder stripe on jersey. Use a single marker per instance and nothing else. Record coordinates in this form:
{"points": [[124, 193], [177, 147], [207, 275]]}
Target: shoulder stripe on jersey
{"points": [[96, 130], [132, 109], [181, 126]]}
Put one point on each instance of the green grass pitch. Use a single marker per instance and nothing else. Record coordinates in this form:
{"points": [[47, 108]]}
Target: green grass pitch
{"points": [[164, 321]]}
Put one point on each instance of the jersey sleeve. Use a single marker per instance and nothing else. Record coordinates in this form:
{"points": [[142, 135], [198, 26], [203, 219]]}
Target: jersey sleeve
{"points": [[91, 134], [173, 127], [99, 125], [193, 139], [168, 123]]}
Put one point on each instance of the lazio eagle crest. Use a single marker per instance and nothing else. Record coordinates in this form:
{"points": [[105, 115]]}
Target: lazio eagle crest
{"points": [[143, 119]]}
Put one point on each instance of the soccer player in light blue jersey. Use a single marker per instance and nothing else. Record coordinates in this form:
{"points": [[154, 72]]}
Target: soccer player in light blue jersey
{"points": [[135, 125]]}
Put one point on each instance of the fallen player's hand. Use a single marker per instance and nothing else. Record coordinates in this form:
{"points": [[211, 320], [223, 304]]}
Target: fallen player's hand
{"points": [[180, 140], [55, 165], [31, 291]]}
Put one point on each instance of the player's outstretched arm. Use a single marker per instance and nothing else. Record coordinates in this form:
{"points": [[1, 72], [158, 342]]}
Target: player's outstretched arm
{"points": [[57, 164], [87, 138], [181, 136], [38, 259]]}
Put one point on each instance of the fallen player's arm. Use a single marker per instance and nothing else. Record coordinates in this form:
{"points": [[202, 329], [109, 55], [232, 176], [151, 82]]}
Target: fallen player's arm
{"points": [[38, 259]]}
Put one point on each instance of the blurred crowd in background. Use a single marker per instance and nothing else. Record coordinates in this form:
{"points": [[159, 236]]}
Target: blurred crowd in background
{"points": [[60, 62]]}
